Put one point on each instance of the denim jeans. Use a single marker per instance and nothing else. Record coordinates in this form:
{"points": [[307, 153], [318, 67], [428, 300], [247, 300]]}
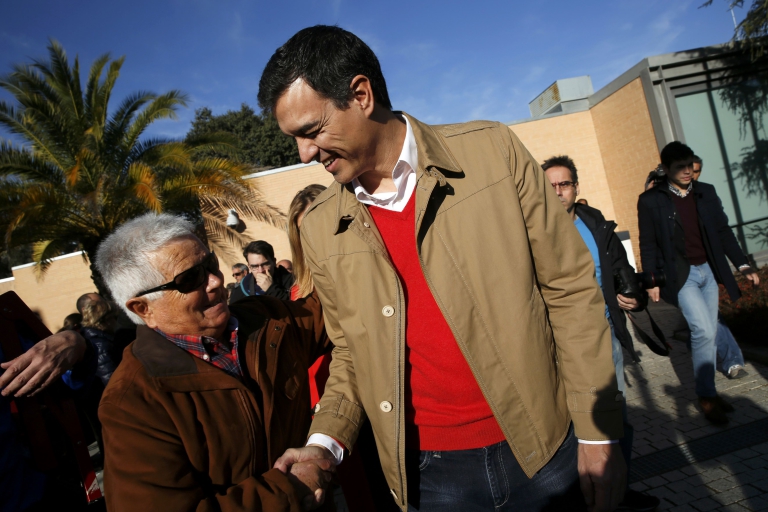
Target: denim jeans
{"points": [[698, 301], [490, 479], [728, 351], [629, 432]]}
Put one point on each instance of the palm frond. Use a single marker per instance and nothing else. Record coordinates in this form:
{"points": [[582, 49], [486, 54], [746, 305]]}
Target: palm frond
{"points": [[162, 107], [144, 186], [24, 165]]}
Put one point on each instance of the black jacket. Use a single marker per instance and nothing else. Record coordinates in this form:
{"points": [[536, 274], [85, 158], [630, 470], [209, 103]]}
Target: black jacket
{"points": [[612, 257], [108, 353], [662, 239], [282, 281]]}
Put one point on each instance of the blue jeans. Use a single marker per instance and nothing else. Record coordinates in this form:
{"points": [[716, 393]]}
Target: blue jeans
{"points": [[490, 479], [629, 432], [698, 301], [728, 351]]}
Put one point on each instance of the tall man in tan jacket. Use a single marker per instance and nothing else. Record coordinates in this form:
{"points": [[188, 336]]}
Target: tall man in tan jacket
{"points": [[477, 383]]}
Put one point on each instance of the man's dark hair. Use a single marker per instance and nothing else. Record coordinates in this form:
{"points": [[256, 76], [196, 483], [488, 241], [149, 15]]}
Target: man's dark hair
{"points": [[259, 247], [697, 160], [674, 152], [562, 161], [327, 58]]}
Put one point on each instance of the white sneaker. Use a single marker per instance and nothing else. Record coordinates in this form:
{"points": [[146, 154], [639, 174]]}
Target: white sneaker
{"points": [[736, 372]]}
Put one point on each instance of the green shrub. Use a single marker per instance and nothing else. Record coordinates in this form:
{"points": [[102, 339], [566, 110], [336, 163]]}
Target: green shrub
{"points": [[748, 316]]}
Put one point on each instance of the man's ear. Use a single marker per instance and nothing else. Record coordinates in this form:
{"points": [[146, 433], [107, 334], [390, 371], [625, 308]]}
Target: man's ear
{"points": [[142, 308], [362, 94], [577, 189]]}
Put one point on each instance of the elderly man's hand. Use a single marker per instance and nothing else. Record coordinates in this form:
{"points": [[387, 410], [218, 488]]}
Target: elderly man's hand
{"points": [[602, 475], [263, 280], [294, 463], [42, 364], [654, 294], [311, 480]]}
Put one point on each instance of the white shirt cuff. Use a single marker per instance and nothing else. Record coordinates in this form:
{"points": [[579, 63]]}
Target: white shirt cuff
{"points": [[612, 441], [328, 442]]}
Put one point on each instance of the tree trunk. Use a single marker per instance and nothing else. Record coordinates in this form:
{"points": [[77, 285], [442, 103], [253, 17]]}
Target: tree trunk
{"points": [[96, 276]]}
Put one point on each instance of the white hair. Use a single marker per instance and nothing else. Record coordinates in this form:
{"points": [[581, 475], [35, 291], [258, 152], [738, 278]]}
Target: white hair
{"points": [[123, 258]]}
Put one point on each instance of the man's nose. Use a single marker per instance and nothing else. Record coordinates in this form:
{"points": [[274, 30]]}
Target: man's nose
{"points": [[307, 149], [215, 279]]}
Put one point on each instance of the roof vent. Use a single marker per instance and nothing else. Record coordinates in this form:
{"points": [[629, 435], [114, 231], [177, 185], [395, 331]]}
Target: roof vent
{"points": [[566, 95]]}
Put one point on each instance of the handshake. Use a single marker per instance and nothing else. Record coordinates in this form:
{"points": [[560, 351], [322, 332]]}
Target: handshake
{"points": [[310, 469]]}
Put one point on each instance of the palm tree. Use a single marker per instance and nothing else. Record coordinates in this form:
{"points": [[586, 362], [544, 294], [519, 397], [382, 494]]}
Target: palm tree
{"points": [[83, 170]]}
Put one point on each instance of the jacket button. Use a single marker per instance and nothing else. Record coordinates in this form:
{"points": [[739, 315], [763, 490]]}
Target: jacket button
{"points": [[277, 327], [366, 224], [317, 407], [385, 406], [206, 357], [387, 311], [272, 345]]}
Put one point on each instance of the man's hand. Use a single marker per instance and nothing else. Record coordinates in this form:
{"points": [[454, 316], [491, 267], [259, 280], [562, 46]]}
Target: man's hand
{"points": [[307, 453], [42, 364], [602, 475], [626, 303], [263, 280], [311, 480], [752, 276], [309, 468], [653, 293]]}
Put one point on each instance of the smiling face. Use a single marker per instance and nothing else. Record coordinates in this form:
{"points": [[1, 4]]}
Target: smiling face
{"points": [[344, 141], [201, 312]]}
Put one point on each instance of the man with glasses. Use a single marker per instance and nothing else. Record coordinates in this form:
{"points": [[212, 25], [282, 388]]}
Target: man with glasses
{"points": [[684, 233], [609, 256], [265, 278], [239, 271], [208, 395]]}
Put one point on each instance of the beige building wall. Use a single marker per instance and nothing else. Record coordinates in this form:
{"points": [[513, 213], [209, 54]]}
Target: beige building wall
{"points": [[52, 296], [628, 147], [573, 135], [278, 188]]}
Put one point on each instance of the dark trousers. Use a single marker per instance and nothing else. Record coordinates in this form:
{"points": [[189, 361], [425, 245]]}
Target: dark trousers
{"points": [[490, 479]]}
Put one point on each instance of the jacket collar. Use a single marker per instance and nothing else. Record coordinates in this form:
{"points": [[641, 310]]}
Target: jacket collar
{"points": [[433, 155]]}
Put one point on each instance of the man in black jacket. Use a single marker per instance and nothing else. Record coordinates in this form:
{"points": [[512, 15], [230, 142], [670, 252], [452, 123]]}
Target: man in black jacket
{"points": [[266, 278], [684, 233], [609, 257]]}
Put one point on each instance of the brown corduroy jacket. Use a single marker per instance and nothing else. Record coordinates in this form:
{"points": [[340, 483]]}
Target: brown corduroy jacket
{"points": [[182, 435]]}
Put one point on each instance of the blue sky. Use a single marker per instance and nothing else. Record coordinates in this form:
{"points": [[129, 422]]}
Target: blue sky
{"points": [[446, 61]]}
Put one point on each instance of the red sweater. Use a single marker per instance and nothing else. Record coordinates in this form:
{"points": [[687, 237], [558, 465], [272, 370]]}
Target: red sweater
{"points": [[444, 407]]}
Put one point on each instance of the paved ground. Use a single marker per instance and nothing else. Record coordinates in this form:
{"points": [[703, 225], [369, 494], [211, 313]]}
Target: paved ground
{"points": [[664, 412]]}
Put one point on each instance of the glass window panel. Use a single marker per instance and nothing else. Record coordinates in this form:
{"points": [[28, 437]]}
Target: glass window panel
{"points": [[701, 136], [739, 142]]}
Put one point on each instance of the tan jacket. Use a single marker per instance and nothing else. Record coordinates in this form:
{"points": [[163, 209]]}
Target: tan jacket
{"points": [[512, 277], [182, 435]]}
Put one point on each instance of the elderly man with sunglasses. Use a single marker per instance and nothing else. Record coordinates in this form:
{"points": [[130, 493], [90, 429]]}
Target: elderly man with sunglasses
{"points": [[206, 398]]}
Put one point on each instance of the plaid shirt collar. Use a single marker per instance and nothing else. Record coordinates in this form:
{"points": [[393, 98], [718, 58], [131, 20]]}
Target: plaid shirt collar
{"points": [[677, 191], [211, 350]]}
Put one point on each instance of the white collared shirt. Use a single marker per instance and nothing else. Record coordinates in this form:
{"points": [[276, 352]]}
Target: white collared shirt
{"points": [[404, 176]]}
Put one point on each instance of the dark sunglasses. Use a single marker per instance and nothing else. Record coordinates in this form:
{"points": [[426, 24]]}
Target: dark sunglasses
{"points": [[190, 279], [238, 274]]}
